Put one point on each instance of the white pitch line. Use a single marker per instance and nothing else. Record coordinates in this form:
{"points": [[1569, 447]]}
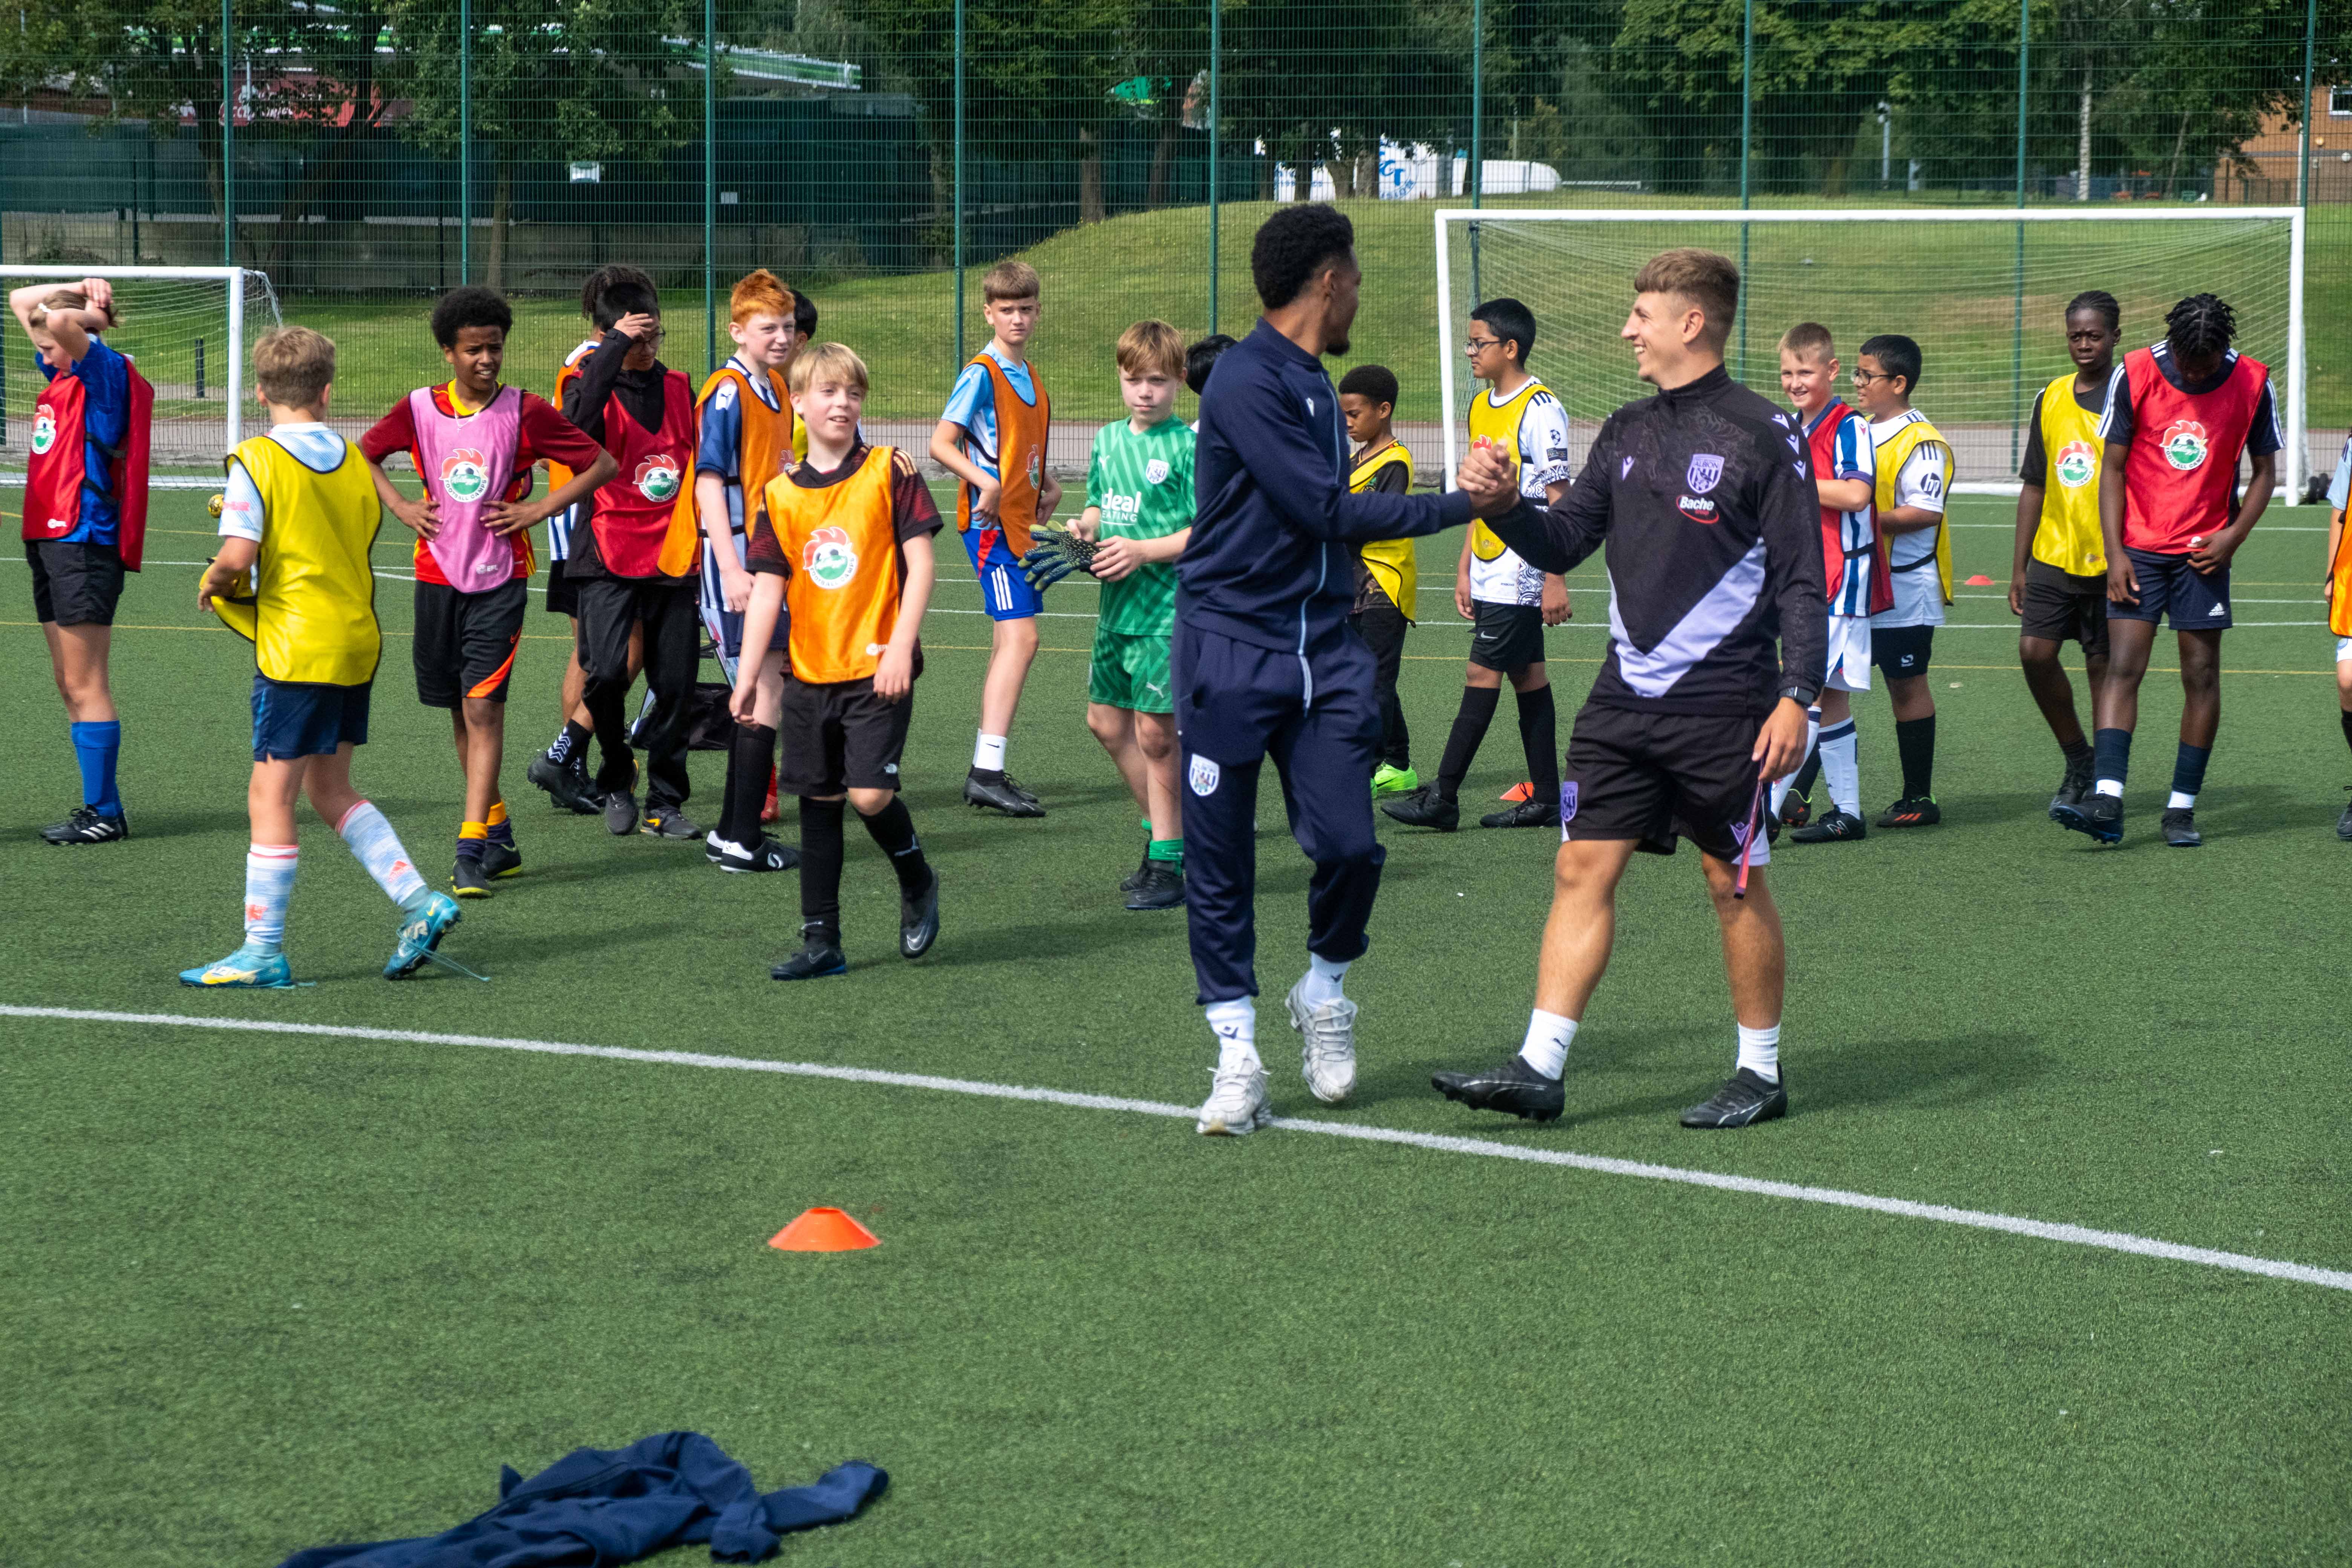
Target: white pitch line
{"points": [[2044, 1230]]}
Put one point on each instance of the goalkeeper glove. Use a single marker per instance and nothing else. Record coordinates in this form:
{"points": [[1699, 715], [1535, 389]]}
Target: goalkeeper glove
{"points": [[1056, 554]]}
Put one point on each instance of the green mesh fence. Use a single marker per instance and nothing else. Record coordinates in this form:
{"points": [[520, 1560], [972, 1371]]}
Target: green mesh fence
{"points": [[879, 155]]}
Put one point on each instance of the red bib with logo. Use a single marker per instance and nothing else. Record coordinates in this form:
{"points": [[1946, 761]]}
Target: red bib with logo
{"points": [[2183, 470], [638, 510], [60, 461]]}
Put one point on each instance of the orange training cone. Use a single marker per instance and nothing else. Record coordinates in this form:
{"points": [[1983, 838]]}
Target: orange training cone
{"points": [[1525, 790], [1979, 581], [823, 1230]]}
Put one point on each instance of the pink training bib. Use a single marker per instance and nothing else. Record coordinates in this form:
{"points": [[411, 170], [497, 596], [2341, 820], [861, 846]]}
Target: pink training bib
{"points": [[468, 461]]}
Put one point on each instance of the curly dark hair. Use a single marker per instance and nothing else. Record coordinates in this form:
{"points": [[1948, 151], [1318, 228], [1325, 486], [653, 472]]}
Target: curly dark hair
{"points": [[2100, 301], [1295, 244], [1376, 381], [618, 290], [471, 306], [2200, 325]]}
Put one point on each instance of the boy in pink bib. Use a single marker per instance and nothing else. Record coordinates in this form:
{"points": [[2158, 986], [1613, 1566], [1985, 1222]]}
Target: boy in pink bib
{"points": [[473, 441]]}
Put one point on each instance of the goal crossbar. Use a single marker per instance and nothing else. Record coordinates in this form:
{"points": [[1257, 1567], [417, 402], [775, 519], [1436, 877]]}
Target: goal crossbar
{"points": [[2291, 480]]}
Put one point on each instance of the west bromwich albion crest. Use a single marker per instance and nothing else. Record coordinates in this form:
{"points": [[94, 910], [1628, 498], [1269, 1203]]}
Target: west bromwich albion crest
{"points": [[1155, 471], [1706, 473]]}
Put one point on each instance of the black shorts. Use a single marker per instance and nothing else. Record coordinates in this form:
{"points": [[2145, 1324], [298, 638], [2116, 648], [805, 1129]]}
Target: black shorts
{"points": [[74, 585], [2170, 588], [1901, 651], [1658, 777], [2059, 606], [1509, 637], [466, 642], [294, 719], [562, 595], [840, 736]]}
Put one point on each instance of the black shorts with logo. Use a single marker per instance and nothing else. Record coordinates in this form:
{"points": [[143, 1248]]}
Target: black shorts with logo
{"points": [[839, 736], [1902, 652], [1509, 637], [2059, 606], [74, 585], [1658, 777], [466, 643]]}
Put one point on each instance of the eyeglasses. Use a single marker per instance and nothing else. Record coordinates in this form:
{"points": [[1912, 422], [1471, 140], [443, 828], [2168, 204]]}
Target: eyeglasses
{"points": [[1865, 378], [1474, 347]]}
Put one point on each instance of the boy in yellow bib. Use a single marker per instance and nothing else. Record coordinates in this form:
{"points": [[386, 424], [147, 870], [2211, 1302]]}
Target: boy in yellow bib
{"points": [[2058, 582], [1915, 476], [1387, 577], [297, 518]]}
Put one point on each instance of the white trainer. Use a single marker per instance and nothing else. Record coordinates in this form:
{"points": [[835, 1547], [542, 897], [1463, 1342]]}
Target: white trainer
{"points": [[1236, 1104], [1327, 1048]]}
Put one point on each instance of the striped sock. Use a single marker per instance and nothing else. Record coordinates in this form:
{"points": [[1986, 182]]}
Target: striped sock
{"points": [[269, 886]]}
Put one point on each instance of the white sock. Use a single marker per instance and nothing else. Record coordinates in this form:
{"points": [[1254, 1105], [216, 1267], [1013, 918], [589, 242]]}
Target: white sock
{"points": [[1236, 1022], [1813, 737], [989, 752], [378, 847], [2111, 786], [1322, 982], [269, 885], [1759, 1052], [1840, 769], [2178, 802], [1548, 1038]]}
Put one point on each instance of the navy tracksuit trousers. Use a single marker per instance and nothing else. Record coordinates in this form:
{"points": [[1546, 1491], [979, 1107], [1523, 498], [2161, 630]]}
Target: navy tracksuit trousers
{"points": [[1315, 715]]}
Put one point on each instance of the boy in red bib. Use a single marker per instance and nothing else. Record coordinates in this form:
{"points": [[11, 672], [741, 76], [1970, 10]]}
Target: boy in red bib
{"points": [[844, 536], [84, 519], [637, 559], [2180, 415], [473, 441]]}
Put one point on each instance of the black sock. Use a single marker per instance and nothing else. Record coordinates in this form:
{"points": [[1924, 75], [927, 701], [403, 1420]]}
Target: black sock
{"points": [[1539, 738], [1803, 786], [821, 865], [746, 783], [2112, 749], [2077, 751], [1470, 722], [570, 743], [1915, 743], [2188, 768], [893, 827], [2346, 716]]}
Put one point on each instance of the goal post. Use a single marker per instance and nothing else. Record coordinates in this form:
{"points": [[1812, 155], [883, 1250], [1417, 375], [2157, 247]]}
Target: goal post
{"points": [[1983, 290], [190, 331]]}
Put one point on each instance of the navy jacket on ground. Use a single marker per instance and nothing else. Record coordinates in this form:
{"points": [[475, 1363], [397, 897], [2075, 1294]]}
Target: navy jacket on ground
{"points": [[1272, 559], [596, 1507]]}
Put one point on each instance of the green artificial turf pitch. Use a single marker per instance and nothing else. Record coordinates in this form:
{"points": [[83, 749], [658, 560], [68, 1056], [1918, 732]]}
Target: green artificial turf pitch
{"points": [[262, 1292]]}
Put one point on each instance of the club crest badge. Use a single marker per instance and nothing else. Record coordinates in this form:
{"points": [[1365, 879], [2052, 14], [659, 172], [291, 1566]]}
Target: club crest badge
{"points": [[1567, 800], [465, 475], [1155, 471], [2077, 465], [45, 431], [829, 558], [657, 478], [1205, 775], [2185, 445], [1706, 473]]}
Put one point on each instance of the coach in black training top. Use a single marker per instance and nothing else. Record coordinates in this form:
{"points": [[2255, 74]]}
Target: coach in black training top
{"points": [[1718, 627]]}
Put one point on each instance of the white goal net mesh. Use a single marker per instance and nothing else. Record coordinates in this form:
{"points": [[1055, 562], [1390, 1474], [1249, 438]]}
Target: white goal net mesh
{"points": [[1984, 299], [175, 328]]}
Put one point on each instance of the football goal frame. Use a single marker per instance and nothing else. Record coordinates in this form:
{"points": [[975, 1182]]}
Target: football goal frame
{"points": [[234, 282], [2294, 470]]}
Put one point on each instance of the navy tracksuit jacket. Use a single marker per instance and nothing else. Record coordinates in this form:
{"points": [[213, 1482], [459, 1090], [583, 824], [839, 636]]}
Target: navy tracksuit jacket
{"points": [[1265, 664]]}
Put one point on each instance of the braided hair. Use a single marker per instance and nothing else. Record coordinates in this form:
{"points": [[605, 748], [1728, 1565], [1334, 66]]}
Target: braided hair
{"points": [[2200, 325], [2104, 303]]}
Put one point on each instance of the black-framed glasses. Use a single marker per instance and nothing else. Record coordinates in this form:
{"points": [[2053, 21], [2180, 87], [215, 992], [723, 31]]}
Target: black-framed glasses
{"points": [[1474, 347]]}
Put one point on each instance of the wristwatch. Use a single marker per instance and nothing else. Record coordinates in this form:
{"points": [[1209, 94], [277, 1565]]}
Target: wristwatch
{"points": [[1798, 695]]}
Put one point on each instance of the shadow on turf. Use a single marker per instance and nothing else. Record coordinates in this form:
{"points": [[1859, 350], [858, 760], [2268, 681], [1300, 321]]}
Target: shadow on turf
{"points": [[1943, 1073]]}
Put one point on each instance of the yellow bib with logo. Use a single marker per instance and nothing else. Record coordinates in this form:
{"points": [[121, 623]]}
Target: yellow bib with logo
{"points": [[312, 616], [1390, 561], [2068, 536], [1499, 422], [1893, 453]]}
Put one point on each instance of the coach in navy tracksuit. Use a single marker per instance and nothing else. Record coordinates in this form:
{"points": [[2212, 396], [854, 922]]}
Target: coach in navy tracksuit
{"points": [[1267, 666]]}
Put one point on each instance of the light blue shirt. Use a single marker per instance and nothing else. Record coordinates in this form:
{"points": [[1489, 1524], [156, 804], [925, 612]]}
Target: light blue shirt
{"points": [[2339, 488], [314, 445], [972, 404]]}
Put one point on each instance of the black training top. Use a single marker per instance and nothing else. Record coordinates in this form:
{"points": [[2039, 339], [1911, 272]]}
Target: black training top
{"points": [[1706, 502]]}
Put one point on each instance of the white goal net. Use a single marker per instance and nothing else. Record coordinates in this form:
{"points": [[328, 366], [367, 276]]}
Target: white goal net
{"points": [[1983, 291], [190, 331]]}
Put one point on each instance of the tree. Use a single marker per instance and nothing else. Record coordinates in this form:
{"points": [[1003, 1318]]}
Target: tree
{"points": [[556, 80], [148, 59]]}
